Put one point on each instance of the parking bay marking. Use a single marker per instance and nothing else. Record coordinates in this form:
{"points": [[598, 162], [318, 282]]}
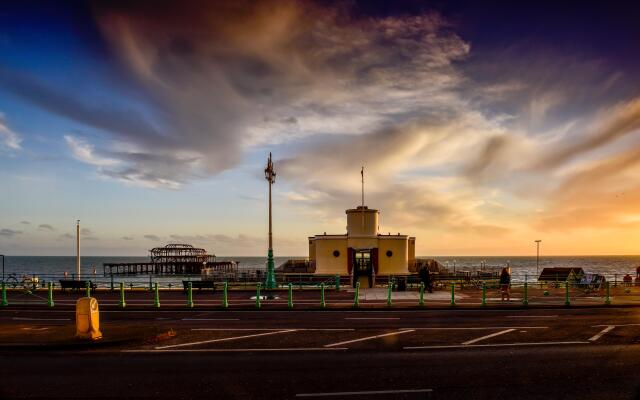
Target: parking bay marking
{"points": [[369, 392], [468, 346], [601, 333], [223, 339], [369, 338], [472, 341]]}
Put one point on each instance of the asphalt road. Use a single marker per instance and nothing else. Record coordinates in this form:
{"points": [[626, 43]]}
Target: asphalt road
{"points": [[447, 354]]}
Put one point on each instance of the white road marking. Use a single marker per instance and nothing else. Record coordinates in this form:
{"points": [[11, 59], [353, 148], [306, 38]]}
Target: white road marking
{"points": [[383, 318], [223, 339], [369, 392], [601, 333], [210, 319], [597, 326], [369, 338], [236, 350], [532, 316], [272, 329], [472, 341], [473, 328], [40, 319], [462, 346]]}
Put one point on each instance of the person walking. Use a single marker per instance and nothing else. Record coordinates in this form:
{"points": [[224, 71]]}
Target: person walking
{"points": [[505, 281], [425, 278]]}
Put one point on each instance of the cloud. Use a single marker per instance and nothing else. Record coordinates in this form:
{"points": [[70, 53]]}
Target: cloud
{"points": [[9, 232], [67, 236], [8, 138], [85, 231], [25, 222], [46, 227], [153, 238], [127, 238]]}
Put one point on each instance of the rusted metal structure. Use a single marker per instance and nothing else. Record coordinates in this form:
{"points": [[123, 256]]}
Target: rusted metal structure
{"points": [[172, 259]]}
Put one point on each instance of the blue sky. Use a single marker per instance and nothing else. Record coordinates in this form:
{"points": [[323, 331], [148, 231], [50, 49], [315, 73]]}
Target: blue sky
{"points": [[481, 126]]}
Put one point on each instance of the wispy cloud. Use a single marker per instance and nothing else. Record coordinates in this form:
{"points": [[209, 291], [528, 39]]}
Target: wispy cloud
{"points": [[46, 228], [9, 232], [8, 138], [153, 238]]}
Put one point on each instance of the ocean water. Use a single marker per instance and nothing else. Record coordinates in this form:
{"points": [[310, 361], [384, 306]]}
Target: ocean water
{"points": [[55, 267]]}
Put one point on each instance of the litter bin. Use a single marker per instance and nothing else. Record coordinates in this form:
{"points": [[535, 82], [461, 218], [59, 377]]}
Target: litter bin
{"points": [[88, 319], [401, 284]]}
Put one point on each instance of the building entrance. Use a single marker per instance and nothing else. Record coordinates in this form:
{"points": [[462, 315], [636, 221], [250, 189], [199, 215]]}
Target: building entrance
{"points": [[362, 268]]}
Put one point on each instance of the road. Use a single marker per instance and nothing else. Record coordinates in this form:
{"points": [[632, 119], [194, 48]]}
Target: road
{"points": [[448, 354]]}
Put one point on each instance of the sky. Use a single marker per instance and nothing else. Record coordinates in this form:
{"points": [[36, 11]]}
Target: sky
{"points": [[481, 126]]}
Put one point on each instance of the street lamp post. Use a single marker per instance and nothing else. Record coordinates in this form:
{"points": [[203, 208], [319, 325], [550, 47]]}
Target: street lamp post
{"points": [[537, 254], [270, 176]]}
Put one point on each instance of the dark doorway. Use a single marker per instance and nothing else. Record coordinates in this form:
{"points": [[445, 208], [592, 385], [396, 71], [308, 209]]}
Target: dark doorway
{"points": [[362, 268]]}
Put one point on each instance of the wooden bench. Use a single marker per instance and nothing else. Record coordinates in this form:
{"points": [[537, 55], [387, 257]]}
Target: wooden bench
{"points": [[199, 285], [76, 285]]}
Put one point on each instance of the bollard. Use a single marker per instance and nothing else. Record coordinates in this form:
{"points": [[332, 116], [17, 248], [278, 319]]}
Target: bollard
{"points": [[50, 296], [88, 288], [453, 293], [566, 294], [525, 300], [189, 294], [112, 282], [322, 303], [156, 297], [484, 294], [225, 295], [4, 296], [290, 303], [389, 290], [258, 295], [122, 302], [607, 299], [356, 295], [421, 300], [337, 283]]}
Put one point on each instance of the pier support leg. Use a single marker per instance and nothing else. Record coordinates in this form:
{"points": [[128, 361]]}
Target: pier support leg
{"points": [[453, 293], [156, 297], [258, 295], [356, 296], [225, 295], [421, 301], [4, 295], [290, 302], [50, 296], [189, 295], [322, 303], [122, 303]]}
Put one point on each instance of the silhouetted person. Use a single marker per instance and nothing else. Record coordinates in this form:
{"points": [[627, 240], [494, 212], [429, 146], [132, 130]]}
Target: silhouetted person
{"points": [[425, 277], [505, 281]]}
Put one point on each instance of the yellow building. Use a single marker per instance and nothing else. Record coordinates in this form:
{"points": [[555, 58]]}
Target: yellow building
{"points": [[362, 253]]}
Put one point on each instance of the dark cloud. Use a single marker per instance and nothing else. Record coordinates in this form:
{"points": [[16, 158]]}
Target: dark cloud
{"points": [[46, 227], [153, 238], [127, 238], [9, 232]]}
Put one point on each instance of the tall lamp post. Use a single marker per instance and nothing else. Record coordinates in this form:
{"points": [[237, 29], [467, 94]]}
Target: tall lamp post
{"points": [[270, 176], [537, 254]]}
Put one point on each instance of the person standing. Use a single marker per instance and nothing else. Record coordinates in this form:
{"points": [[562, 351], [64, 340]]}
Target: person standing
{"points": [[505, 281], [425, 277]]}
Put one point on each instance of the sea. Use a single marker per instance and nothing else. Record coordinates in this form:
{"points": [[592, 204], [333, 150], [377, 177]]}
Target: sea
{"points": [[54, 268]]}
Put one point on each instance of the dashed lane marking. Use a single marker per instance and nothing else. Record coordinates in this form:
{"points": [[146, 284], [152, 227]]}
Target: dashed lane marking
{"points": [[462, 346], [369, 338], [474, 328], [272, 329], [236, 350], [472, 341], [532, 316], [369, 392], [376, 318], [602, 333], [223, 339], [211, 319]]}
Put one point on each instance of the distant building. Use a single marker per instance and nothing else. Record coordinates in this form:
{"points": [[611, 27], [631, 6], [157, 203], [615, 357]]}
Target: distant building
{"points": [[362, 253]]}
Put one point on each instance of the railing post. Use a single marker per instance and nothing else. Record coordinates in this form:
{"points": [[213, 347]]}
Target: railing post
{"points": [[356, 296], [156, 297], [566, 294], [389, 290], [421, 300], [88, 288], [258, 295], [484, 294], [453, 293], [607, 299], [525, 300], [50, 296], [225, 295], [189, 294], [337, 283], [290, 302], [322, 303], [4, 295], [122, 303], [112, 282]]}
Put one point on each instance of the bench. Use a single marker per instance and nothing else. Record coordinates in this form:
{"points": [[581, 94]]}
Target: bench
{"points": [[199, 285], [76, 285]]}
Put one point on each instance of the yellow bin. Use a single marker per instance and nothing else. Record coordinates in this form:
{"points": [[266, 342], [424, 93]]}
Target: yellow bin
{"points": [[88, 319]]}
